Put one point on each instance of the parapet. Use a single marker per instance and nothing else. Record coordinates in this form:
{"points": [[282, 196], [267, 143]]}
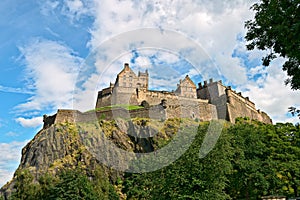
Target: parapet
{"points": [[60, 117], [208, 83], [238, 95]]}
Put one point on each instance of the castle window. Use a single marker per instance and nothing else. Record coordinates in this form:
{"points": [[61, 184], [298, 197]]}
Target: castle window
{"points": [[130, 78], [130, 85], [124, 84], [191, 89], [124, 78]]}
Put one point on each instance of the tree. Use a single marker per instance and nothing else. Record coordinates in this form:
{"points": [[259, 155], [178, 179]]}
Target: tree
{"points": [[73, 184], [24, 186], [286, 152], [250, 163], [276, 27], [189, 177], [294, 111]]}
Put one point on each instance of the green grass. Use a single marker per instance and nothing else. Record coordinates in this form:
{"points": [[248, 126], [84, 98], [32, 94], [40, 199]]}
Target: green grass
{"points": [[127, 107]]}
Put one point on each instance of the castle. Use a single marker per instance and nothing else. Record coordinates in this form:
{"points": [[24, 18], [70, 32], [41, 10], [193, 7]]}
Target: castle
{"points": [[211, 100]]}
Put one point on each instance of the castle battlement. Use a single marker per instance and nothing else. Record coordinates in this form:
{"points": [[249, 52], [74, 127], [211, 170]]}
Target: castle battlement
{"points": [[206, 83], [240, 97]]}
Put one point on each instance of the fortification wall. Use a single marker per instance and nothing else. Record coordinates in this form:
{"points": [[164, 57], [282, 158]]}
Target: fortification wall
{"points": [[66, 116], [153, 112], [230, 104], [235, 98], [191, 108], [155, 97], [123, 95], [103, 100], [48, 120], [207, 111], [239, 106]]}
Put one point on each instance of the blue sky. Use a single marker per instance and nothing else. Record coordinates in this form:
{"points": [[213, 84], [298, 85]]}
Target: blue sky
{"points": [[54, 55]]}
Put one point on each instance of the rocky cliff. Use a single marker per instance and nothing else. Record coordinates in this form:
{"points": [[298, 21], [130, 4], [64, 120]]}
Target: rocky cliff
{"points": [[70, 145]]}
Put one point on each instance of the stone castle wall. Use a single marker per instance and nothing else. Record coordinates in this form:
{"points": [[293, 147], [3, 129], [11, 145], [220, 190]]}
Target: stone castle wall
{"points": [[182, 108], [229, 103], [176, 106]]}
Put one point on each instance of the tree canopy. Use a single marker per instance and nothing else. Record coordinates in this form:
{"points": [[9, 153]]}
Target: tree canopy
{"points": [[276, 27]]}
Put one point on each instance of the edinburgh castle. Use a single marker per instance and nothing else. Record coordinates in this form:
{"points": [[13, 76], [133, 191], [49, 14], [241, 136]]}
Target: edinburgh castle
{"points": [[210, 100]]}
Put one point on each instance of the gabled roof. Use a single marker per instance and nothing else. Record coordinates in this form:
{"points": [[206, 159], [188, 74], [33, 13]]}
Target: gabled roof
{"points": [[189, 80], [126, 69]]}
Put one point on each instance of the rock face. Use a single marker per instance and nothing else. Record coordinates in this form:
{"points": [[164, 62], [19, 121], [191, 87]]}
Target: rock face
{"points": [[62, 146]]}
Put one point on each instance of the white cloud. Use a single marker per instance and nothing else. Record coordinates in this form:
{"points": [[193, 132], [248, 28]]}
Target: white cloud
{"points": [[143, 62], [30, 122], [48, 7], [213, 25], [10, 156], [12, 134], [75, 9], [15, 90], [51, 70], [271, 95]]}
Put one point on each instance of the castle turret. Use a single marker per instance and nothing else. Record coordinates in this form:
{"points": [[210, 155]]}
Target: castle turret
{"points": [[143, 78]]}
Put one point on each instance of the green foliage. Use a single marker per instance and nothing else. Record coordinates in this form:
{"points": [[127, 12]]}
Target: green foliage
{"points": [[127, 107], [72, 184], [187, 178], [287, 157], [294, 111], [276, 27], [68, 184], [266, 160], [24, 186], [250, 160], [102, 186]]}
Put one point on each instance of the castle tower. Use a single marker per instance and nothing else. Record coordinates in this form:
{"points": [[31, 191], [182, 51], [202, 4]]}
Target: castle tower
{"points": [[143, 78], [215, 93]]}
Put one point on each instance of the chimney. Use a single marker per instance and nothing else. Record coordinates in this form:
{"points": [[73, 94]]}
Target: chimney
{"points": [[200, 85], [210, 80], [126, 66]]}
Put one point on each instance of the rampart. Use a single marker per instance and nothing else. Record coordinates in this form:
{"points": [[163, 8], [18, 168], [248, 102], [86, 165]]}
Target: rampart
{"points": [[229, 103], [167, 108]]}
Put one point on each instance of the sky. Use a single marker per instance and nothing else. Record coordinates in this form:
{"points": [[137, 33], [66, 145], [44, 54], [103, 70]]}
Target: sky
{"points": [[57, 54]]}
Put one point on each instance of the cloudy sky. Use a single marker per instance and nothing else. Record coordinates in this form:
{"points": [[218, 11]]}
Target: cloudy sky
{"points": [[58, 53]]}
